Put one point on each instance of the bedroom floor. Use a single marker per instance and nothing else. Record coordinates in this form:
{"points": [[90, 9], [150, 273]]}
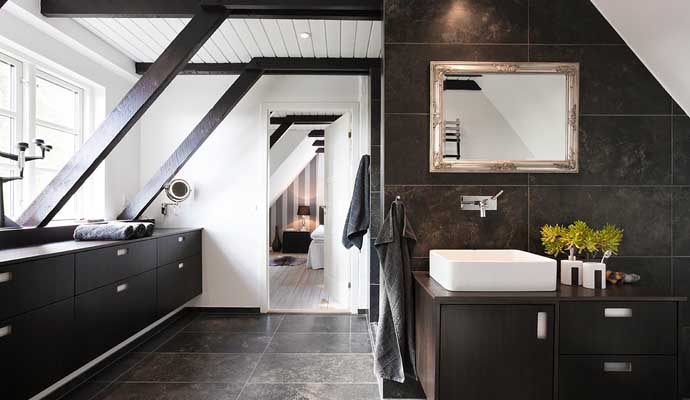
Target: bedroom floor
{"points": [[213, 356], [298, 288]]}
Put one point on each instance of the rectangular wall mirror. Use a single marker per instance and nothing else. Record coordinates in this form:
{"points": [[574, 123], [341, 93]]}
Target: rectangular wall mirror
{"points": [[504, 117]]}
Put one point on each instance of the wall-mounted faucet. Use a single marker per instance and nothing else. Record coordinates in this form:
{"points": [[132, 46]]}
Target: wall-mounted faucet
{"points": [[481, 203]]}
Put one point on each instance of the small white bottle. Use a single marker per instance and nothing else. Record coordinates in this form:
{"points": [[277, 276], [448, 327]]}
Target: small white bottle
{"points": [[594, 275], [571, 270]]}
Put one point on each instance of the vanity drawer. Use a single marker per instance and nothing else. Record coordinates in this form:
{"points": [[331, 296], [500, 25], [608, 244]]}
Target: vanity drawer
{"points": [[178, 283], [606, 378], [618, 328], [111, 314], [30, 285], [176, 247], [101, 267]]}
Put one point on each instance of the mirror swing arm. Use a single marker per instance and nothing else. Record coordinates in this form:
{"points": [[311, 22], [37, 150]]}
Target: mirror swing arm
{"points": [[172, 193], [440, 162]]}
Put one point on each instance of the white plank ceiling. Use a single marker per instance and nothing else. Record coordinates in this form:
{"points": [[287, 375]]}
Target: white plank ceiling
{"points": [[238, 40]]}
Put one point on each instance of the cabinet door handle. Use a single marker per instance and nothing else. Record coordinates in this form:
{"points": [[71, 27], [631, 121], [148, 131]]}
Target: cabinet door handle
{"points": [[180, 265], [542, 325], [5, 277], [618, 313], [6, 331], [122, 252], [180, 239], [617, 367], [122, 288]]}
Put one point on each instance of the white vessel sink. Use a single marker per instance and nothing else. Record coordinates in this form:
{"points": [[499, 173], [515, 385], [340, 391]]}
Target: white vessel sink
{"points": [[492, 270]]}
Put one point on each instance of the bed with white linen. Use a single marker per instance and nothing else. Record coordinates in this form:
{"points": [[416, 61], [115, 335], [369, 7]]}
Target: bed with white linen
{"points": [[315, 255]]}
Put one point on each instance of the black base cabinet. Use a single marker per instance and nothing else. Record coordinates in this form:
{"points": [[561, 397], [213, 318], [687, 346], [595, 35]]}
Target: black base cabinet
{"points": [[60, 312], [37, 350]]}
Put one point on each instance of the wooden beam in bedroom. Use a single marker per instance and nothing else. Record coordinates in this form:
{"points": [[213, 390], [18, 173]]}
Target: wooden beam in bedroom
{"points": [[317, 133], [305, 119], [369, 10], [282, 66], [2, 3], [319, 143], [320, 150], [130, 109], [191, 144], [275, 136]]}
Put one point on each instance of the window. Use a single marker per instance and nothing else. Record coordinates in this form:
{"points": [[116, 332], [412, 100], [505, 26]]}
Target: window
{"points": [[54, 112]]}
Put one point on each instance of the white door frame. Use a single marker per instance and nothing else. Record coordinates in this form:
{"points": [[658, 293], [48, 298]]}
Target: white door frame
{"points": [[359, 261]]}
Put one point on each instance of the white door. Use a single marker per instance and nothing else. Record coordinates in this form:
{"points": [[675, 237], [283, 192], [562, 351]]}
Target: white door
{"points": [[337, 153]]}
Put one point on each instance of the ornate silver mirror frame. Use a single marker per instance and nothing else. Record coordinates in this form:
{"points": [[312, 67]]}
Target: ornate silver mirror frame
{"points": [[439, 163]]}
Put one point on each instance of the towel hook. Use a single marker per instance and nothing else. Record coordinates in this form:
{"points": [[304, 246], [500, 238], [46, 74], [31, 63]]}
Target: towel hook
{"points": [[397, 198]]}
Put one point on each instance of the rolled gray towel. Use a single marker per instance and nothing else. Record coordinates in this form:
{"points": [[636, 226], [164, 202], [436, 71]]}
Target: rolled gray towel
{"points": [[139, 229], [150, 226], [109, 231]]}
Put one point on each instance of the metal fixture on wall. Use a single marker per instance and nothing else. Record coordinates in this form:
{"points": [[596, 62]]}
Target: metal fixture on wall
{"points": [[481, 203], [178, 190], [21, 158]]}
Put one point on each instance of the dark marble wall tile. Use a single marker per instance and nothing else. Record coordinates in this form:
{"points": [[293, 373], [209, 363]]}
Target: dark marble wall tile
{"points": [[420, 263], [375, 168], [407, 160], [376, 111], [375, 225], [440, 223], [612, 79], [684, 362], [654, 272], [455, 21], [617, 150], [678, 110], [407, 70], [569, 22], [374, 266], [681, 150], [681, 287], [644, 213], [681, 222]]}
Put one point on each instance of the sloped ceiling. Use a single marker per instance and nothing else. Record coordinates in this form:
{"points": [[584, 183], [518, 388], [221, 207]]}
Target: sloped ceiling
{"points": [[658, 32]]}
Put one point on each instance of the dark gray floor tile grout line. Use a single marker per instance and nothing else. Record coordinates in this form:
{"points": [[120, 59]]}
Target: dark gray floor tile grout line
{"points": [[149, 354], [258, 361]]}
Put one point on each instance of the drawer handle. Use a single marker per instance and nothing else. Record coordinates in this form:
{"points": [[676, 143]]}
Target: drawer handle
{"points": [[122, 288], [618, 313], [180, 239], [6, 331], [180, 265], [542, 326], [617, 367], [5, 277], [122, 252]]}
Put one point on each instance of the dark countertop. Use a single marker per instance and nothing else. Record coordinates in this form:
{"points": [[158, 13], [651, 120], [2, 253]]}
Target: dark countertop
{"points": [[22, 254], [564, 293]]}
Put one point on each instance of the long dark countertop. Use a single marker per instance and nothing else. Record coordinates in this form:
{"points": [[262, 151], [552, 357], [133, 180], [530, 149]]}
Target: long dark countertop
{"points": [[563, 293], [22, 254]]}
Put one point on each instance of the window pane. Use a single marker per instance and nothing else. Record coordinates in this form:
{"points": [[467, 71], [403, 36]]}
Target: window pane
{"points": [[43, 178], [7, 190], [63, 147], [55, 104], [5, 137], [5, 85]]}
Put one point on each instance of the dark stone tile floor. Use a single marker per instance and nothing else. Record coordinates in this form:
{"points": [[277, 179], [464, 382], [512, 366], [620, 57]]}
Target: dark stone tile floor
{"points": [[213, 356]]}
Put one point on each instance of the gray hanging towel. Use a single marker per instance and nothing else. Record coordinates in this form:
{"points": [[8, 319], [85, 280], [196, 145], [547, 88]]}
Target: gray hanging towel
{"points": [[394, 350], [357, 222]]}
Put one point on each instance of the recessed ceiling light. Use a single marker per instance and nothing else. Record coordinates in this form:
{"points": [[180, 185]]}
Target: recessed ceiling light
{"points": [[305, 35]]}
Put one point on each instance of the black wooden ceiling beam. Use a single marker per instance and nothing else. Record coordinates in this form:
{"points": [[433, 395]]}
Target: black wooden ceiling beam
{"points": [[2, 3], [130, 109], [191, 144], [282, 66], [275, 136], [320, 150], [371, 10], [305, 119], [319, 143], [317, 133]]}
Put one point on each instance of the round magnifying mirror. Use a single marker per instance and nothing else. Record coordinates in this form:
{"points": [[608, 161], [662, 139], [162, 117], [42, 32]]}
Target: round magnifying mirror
{"points": [[178, 190]]}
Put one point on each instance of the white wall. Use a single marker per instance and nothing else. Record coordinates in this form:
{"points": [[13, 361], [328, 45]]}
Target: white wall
{"points": [[69, 49], [228, 173]]}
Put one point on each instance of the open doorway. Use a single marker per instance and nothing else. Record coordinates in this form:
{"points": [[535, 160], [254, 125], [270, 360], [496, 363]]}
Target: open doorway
{"points": [[310, 162]]}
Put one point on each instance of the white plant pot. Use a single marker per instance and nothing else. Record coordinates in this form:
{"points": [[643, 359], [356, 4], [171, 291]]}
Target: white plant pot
{"points": [[571, 269], [594, 275]]}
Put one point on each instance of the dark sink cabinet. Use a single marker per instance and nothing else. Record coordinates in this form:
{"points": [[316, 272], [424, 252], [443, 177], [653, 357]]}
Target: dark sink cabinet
{"points": [[573, 344], [65, 304]]}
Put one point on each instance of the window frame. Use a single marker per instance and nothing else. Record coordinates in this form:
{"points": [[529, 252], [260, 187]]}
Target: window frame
{"points": [[15, 115]]}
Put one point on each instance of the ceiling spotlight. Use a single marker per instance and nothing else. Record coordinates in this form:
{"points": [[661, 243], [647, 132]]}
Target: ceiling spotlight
{"points": [[305, 35]]}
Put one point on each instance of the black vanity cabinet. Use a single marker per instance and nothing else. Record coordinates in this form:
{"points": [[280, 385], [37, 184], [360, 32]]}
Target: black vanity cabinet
{"points": [[573, 344], [65, 304]]}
